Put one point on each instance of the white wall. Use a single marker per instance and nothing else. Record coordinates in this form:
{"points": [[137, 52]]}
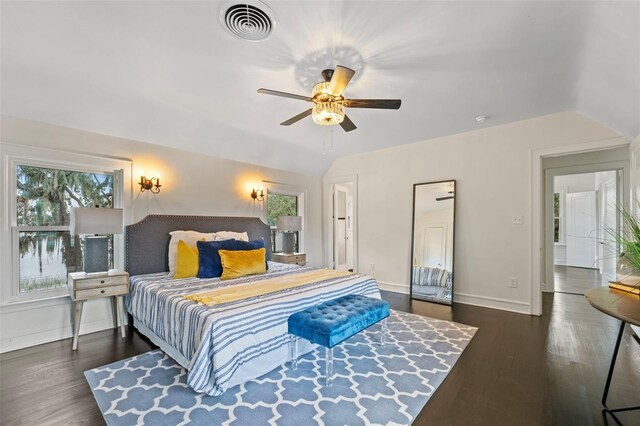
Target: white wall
{"points": [[492, 169], [192, 184]]}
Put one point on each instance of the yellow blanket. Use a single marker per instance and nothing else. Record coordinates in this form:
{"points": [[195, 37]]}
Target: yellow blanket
{"points": [[270, 285]]}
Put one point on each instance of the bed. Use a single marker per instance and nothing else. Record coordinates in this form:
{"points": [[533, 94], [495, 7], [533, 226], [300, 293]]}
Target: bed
{"points": [[230, 343]]}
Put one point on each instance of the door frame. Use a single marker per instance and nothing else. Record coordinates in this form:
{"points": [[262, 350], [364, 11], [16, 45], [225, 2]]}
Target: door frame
{"points": [[548, 285], [327, 216], [536, 213]]}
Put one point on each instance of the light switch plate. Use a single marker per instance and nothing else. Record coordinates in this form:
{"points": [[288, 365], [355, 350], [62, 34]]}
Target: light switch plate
{"points": [[517, 220]]}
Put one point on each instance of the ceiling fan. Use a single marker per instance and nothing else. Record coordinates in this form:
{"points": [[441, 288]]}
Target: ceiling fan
{"points": [[448, 197], [329, 103]]}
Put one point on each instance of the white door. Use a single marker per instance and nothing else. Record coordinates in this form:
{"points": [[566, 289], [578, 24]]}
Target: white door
{"points": [[609, 223], [349, 236], [581, 229], [435, 242], [340, 235], [634, 150]]}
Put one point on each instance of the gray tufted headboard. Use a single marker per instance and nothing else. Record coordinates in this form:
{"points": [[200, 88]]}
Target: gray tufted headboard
{"points": [[147, 242]]}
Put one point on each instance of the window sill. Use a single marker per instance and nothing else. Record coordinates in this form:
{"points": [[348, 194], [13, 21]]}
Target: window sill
{"points": [[22, 305], [559, 244]]}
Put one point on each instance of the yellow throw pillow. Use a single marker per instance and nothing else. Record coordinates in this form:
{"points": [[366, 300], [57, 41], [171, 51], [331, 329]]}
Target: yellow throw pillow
{"points": [[186, 261], [239, 263]]}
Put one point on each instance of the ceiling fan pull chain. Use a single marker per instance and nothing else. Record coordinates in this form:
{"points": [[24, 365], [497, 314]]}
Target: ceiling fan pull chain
{"points": [[331, 127], [324, 146]]}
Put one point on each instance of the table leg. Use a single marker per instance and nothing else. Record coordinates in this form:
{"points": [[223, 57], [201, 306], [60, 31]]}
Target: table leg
{"points": [[383, 334], [605, 394], [121, 314], [329, 366], [293, 351], [76, 322], [114, 311]]}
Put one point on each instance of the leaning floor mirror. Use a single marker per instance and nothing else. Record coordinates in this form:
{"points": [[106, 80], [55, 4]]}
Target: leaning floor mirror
{"points": [[432, 241]]}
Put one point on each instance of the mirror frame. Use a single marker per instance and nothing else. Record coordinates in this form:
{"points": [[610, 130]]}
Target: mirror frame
{"points": [[453, 248]]}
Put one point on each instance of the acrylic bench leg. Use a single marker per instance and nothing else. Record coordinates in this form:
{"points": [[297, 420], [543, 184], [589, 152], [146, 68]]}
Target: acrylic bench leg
{"points": [[383, 334], [293, 351], [329, 369]]}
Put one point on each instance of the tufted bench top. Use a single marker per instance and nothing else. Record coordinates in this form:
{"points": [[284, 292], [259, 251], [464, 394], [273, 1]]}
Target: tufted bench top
{"points": [[331, 322]]}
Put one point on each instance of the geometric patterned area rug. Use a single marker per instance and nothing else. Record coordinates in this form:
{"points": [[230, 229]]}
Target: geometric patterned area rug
{"points": [[371, 384]]}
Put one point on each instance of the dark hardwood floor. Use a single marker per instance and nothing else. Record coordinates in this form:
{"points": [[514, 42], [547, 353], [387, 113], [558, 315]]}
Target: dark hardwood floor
{"points": [[569, 279], [517, 370]]}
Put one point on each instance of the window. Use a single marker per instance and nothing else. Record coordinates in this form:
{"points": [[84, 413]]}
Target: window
{"points": [[284, 200], [44, 198], [559, 197], [39, 188], [556, 217]]}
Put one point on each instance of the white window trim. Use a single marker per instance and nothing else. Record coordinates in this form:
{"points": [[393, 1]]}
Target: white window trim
{"points": [[12, 155], [286, 189]]}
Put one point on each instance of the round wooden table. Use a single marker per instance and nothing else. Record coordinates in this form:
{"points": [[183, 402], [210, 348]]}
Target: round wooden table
{"points": [[621, 305]]}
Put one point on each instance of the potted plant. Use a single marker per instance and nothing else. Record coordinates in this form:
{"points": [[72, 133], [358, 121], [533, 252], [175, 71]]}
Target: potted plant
{"points": [[628, 239]]}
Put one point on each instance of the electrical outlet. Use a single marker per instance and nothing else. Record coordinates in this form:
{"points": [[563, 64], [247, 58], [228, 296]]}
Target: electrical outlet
{"points": [[513, 282], [517, 220], [372, 267]]}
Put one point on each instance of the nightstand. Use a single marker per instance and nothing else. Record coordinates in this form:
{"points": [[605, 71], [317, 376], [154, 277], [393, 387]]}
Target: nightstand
{"points": [[83, 287], [291, 258]]}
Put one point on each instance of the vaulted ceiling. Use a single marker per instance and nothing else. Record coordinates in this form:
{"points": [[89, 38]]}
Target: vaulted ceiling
{"points": [[167, 73]]}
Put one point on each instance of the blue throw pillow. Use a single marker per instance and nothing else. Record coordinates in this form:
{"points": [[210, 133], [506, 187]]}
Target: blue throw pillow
{"points": [[210, 265]]}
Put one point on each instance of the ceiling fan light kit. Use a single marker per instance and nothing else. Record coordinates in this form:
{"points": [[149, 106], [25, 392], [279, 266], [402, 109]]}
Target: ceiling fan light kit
{"points": [[330, 105], [326, 111]]}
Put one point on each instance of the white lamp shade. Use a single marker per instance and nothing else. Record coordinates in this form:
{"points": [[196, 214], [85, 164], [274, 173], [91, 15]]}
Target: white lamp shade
{"points": [[289, 223], [92, 220]]}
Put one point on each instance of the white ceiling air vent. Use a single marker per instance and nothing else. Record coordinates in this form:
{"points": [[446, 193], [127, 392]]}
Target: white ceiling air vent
{"points": [[250, 20]]}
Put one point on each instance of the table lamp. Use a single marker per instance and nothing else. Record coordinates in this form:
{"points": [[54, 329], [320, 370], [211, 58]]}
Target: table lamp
{"points": [[288, 225], [100, 222]]}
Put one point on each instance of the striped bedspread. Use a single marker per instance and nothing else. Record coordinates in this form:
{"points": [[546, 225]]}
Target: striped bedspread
{"points": [[231, 343]]}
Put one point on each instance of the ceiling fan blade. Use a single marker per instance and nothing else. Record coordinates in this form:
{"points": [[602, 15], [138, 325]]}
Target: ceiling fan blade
{"points": [[297, 118], [373, 103], [449, 197], [341, 77], [347, 125], [284, 94]]}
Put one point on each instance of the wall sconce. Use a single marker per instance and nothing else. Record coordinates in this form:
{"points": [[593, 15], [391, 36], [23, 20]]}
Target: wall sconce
{"points": [[150, 184], [257, 196]]}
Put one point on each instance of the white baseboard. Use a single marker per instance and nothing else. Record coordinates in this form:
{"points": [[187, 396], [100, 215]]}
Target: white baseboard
{"points": [[396, 288], [27, 340], [493, 302], [471, 299]]}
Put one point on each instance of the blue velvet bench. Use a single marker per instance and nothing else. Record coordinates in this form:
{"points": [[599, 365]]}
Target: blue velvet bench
{"points": [[334, 321]]}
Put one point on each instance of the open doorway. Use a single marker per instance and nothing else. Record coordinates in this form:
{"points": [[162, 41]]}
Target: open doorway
{"points": [[340, 220], [584, 216], [342, 228], [593, 156]]}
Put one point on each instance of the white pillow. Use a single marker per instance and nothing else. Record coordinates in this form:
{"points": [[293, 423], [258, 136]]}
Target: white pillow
{"points": [[228, 235], [189, 237]]}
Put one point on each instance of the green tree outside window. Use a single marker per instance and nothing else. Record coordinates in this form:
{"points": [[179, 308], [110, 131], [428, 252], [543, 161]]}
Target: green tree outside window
{"points": [[45, 197], [280, 205]]}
